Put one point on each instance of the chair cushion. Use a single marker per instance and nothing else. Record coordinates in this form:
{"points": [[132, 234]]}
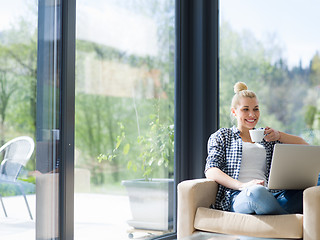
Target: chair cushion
{"points": [[269, 226]]}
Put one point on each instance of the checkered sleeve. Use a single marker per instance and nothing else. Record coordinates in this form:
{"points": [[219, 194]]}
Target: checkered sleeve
{"points": [[216, 151]]}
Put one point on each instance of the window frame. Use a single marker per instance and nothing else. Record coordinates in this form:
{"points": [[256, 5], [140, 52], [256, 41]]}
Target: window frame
{"points": [[196, 97], [66, 183]]}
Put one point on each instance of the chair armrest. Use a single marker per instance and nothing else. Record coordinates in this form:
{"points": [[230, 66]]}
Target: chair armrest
{"points": [[191, 195], [311, 213]]}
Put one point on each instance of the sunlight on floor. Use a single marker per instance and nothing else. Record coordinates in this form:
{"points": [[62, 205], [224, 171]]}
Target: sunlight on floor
{"points": [[97, 216]]}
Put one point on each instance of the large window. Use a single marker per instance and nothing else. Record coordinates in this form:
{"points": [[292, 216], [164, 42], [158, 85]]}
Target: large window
{"points": [[132, 83], [273, 46], [29, 119], [124, 118], [18, 78]]}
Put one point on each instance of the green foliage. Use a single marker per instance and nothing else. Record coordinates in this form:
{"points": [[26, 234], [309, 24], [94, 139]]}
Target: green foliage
{"points": [[107, 132], [315, 70], [109, 127], [96, 131], [242, 58], [281, 91], [310, 115], [155, 148], [29, 179], [18, 77], [133, 136], [13, 190]]}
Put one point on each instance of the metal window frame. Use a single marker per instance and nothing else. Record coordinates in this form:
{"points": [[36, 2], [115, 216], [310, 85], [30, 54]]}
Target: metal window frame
{"points": [[196, 85], [196, 96], [66, 183]]}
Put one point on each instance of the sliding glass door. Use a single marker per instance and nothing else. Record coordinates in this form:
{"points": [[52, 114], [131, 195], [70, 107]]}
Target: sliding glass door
{"points": [[30, 119], [119, 160], [124, 132]]}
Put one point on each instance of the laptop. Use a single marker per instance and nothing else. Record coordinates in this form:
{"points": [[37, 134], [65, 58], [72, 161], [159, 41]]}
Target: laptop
{"points": [[294, 166]]}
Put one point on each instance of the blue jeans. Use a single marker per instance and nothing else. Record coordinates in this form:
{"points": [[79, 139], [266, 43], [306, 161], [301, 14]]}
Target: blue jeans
{"points": [[258, 200]]}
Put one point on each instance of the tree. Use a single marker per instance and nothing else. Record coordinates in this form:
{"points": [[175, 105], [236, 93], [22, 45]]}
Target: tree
{"points": [[7, 88], [280, 90], [315, 70], [18, 57], [99, 115], [242, 58]]}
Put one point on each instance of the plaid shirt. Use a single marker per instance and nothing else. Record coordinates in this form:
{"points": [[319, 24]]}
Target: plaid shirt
{"points": [[225, 153]]}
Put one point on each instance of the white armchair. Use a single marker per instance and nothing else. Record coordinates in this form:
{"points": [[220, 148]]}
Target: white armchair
{"points": [[194, 214]]}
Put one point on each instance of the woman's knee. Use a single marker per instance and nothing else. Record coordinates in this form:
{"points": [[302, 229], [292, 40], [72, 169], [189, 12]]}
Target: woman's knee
{"points": [[257, 191]]}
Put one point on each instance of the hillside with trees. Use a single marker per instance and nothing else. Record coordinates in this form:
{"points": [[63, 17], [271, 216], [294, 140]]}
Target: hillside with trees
{"points": [[115, 128]]}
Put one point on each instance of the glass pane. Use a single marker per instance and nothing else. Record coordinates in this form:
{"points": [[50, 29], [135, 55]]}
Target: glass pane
{"points": [[273, 47], [124, 118], [48, 120], [29, 113], [18, 68]]}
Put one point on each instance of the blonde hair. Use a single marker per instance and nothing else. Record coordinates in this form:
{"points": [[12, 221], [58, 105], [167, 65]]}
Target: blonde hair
{"points": [[241, 90]]}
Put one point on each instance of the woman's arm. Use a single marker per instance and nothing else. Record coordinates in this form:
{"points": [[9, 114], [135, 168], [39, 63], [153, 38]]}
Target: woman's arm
{"points": [[225, 180], [274, 135]]}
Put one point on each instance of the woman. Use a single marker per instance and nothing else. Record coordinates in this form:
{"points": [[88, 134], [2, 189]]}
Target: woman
{"points": [[241, 167]]}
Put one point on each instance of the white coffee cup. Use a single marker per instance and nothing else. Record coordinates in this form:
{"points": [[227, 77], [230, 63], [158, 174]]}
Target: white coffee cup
{"points": [[257, 135]]}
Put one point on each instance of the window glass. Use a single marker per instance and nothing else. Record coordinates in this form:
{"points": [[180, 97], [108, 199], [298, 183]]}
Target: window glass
{"points": [[273, 47], [124, 118], [29, 119]]}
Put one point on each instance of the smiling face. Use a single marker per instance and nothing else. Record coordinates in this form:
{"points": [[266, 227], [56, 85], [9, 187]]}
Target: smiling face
{"points": [[247, 113]]}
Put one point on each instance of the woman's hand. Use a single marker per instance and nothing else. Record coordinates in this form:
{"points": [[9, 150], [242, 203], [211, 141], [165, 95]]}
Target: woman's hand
{"points": [[251, 183], [274, 135], [271, 134]]}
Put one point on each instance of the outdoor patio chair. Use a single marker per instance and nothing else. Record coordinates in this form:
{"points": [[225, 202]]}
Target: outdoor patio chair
{"points": [[16, 153]]}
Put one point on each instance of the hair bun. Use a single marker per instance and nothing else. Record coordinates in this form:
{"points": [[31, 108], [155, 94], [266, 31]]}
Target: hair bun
{"points": [[240, 86]]}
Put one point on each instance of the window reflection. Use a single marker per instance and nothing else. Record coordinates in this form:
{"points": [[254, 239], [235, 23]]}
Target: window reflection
{"points": [[48, 120], [29, 109], [277, 61], [124, 116]]}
